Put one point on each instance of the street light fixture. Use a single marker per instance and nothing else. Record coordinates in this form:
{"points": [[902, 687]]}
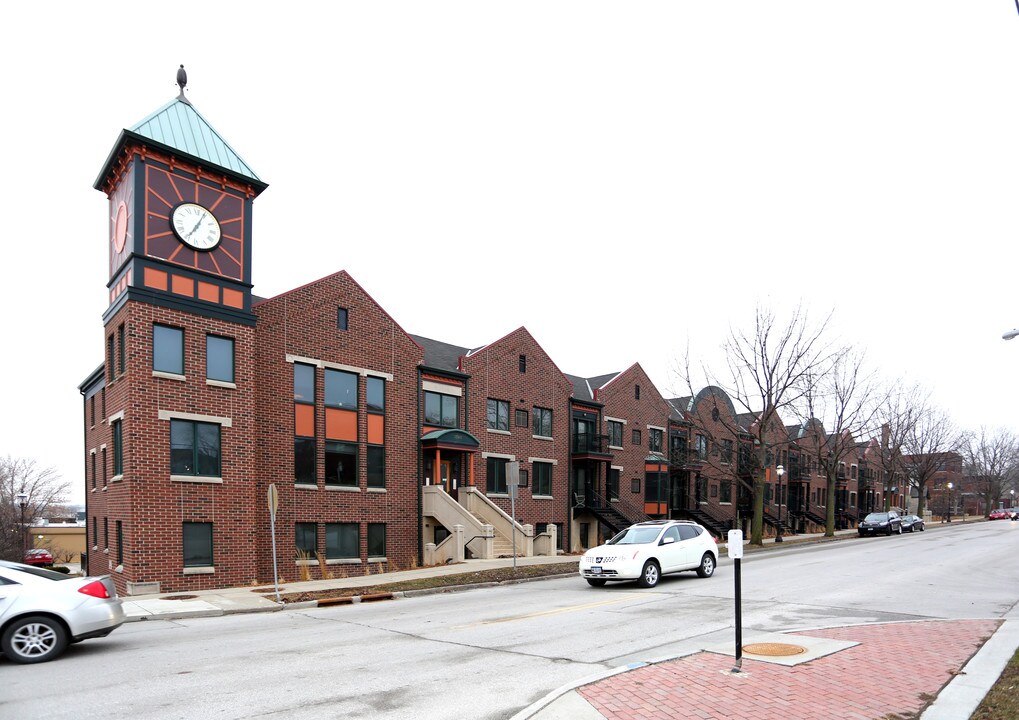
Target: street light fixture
{"points": [[1010, 334], [950, 486], [778, 533], [23, 503]]}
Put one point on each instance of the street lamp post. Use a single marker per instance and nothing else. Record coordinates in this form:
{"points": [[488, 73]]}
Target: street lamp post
{"points": [[778, 533], [23, 503], [950, 486]]}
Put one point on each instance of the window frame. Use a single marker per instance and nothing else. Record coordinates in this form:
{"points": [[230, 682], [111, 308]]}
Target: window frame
{"points": [[541, 420], [542, 474], [495, 475], [441, 399], [195, 444], [501, 419], [210, 556], [337, 528], [178, 368], [336, 447], [211, 341], [300, 539]]}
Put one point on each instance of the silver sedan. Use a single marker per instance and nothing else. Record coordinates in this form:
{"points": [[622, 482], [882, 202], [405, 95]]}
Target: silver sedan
{"points": [[42, 611]]}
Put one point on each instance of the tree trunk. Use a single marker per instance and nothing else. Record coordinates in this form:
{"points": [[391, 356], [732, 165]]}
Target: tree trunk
{"points": [[829, 516]]}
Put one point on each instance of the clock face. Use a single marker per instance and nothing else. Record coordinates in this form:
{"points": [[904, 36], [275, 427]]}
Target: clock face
{"points": [[195, 226], [121, 221], [120, 227]]}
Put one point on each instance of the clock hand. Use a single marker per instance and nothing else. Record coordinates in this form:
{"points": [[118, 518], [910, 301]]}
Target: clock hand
{"points": [[197, 225]]}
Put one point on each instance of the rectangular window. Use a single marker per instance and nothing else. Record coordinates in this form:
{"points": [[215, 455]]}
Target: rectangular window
{"points": [[197, 544], [615, 433], [725, 492], [612, 484], [635, 485], [121, 350], [498, 414], [305, 451], [375, 394], [441, 410], [306, 539], [727, 452], [111, 360], [524, 478], [305, 444], [496, 474], [701, 447], [194, 448], [168, 349], [522, 363], [376, 466], [636, 392], [343, 541], [219, 358], [93, 411], [376, 540], [95, 531], [104, 466], [106, 533], [654, 440], [118, 448], [120, 543], [520, 418], [340, 389], [635, 437], [304, 383], [542, 478], [542, 418], [93, 471], [341, 464], [342, 318]]}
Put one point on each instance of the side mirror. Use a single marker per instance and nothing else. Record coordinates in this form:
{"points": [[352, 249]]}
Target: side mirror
{"points": [[667, 541]]}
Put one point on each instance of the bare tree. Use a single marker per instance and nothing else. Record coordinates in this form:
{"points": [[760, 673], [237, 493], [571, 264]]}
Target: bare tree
{"points": [[769, 368], [992, 464], [46, 493], [925, 445], [845, 400], [898, 415]]}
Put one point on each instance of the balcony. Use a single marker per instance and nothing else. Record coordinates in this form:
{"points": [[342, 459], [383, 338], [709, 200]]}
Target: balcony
{"points": [[591, 446], [685, 457]]}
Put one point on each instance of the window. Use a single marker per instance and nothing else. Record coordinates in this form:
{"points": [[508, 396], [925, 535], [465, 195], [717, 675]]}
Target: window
{"points": [[522, 478], [636, 392], [725, 492], [542, 478], [542, 422], [376, 540], [342, 317], [194, 448], [520, 418], [654, 440], [376, 466], [93, 410], [305, 539], [106, 533], [341, 389], [95, 531], [93, 471], [168, 349], [635, 437], [635, 485], [304, 383], [120, 543], [523, 363], [118, 448], [726, 452], [441, 410], [111, 360], [612, 484], [343, 541], [701, 446], [375, 394], [714, 490], [615, 433], [305, 460], [104, 467], [219, 358], [197, 544], [121, 349], [305, 444], [852, 472], [341, 464], [496, 474], [498, 415]]}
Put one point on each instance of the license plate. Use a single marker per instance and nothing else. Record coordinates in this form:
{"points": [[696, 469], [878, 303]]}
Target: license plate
{"points": [[595, 571]]}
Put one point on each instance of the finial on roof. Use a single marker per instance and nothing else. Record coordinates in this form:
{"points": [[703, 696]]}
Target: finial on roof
{"points": [[182, 80]]}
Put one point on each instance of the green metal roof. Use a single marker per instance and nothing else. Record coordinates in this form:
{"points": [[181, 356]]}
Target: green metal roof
{"points": [[452, 436], [179, 126]]}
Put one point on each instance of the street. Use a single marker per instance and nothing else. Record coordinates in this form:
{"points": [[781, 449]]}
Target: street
{"points": [[487, 653]]}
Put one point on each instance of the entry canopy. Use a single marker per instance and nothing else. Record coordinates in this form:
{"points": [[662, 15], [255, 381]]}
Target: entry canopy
{"points": [[450, 439]]}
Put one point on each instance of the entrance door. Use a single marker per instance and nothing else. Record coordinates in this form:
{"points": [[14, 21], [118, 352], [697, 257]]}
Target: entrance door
{"points": [[445, 473]]}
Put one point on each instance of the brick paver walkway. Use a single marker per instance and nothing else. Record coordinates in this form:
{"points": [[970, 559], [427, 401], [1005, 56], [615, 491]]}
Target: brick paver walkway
{"points": [[895, 671]]}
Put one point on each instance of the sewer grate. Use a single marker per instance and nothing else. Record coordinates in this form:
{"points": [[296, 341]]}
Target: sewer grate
{"points": [[774, 649], [178, 597]]}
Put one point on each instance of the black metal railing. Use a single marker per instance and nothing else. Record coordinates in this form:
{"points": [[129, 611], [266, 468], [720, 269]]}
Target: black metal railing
{"points": [[590, 443]]}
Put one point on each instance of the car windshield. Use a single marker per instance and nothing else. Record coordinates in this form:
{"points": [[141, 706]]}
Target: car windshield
{"points": [[636, 536], [876, 517]]}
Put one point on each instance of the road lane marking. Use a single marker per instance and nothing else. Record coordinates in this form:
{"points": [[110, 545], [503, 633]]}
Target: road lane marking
{"points": [[559, 611]]}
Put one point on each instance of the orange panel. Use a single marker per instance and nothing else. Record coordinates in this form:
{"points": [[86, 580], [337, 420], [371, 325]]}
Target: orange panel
{"points": [[155, 279], [233, 298], [376, 429], [208, 292], [341, 424], [182, 285], [655, 467], [654, 509], [304, 420]]}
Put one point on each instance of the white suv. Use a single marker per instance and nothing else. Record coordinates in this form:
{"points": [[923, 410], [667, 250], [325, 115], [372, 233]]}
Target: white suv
{"points": [[648, 550]]}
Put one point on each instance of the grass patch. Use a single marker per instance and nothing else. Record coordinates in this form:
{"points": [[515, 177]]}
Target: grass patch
{"points": [[1002, 702], [494, 575]]}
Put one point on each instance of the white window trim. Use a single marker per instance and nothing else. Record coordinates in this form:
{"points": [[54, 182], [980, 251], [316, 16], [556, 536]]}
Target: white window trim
{"points": [[206, 570], [441, 388], [655, 427], [305, 486], [550, 461], [115, 416], [342, 488], [343, 561], [542, 437], [221, 384], [171, 415], [498, 432], [504, 456], [207, 479], [364, 372], [614, 419], [169, 376]]}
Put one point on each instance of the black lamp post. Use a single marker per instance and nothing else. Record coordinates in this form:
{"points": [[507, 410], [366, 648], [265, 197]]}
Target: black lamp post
{"points": [[778, 533], [23, 503], [949, 502]]}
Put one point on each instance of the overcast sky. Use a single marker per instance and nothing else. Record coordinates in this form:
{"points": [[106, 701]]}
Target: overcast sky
{"points": [[621, 178]]}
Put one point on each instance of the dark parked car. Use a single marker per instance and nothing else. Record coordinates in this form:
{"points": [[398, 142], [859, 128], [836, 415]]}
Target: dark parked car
{"points": [[884, 523], [912, 523], [38, 556]]}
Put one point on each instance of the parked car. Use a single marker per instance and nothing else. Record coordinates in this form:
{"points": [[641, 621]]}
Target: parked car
{"points": [[646, 551], [880, 522], [912, 523], [42, 611], [999, 515], [38, 556]]}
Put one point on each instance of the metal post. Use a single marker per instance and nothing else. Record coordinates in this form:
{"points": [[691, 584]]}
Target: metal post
{"points": [[739, 618], [778, 533], [23, 502]]}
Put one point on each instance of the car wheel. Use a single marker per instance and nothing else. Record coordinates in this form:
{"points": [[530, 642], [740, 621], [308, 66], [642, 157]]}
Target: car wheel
{"points": [[888, 532], [898, 530], [595, 582], [34, 639], [707, 566], [650, 575]]}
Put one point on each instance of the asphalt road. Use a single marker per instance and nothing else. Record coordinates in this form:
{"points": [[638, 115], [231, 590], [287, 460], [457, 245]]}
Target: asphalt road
{"points": [[487, 653]]}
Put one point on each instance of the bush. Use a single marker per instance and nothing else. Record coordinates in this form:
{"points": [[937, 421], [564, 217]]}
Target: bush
{"points": [[61, 569]]}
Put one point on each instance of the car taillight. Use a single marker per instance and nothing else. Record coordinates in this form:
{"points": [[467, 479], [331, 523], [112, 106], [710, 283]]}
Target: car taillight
{"points": [[95, 589]]}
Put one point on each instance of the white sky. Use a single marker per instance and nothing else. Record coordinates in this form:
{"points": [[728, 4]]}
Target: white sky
{"points": [[620, 178]]}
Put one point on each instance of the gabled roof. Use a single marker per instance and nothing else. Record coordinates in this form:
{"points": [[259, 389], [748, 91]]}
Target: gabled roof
{"points": [[440, 355], [581, 388]]}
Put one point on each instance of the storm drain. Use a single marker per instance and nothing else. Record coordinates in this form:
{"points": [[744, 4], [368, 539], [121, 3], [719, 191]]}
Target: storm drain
{"points": [[774, 649]]}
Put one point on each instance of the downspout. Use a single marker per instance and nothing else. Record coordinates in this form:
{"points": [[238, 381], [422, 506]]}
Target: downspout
{"points": [[417, 476]]}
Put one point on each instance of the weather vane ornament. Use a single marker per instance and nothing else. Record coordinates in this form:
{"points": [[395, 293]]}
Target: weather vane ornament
{"points": [[182, 80]]}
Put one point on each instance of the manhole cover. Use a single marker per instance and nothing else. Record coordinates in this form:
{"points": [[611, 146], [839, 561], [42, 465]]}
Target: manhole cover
{"points": [[774, 649], [179, 597]]}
